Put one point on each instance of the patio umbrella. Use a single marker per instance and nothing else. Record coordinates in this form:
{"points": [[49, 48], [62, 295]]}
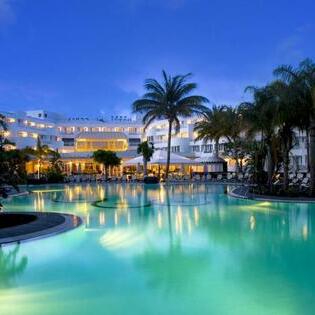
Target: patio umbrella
{"points": [[160, 157], [135, 161]]}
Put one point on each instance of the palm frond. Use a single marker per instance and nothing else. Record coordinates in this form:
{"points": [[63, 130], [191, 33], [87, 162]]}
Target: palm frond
{"points": [[287, 73]]}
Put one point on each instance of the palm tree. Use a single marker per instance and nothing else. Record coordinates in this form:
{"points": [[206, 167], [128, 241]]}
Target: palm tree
{"points": [[41, 153], [210, 127], [233, 126], [288, 117], [260, 118], [169, 100], [302, 82], [107, 159], [146, 149]]}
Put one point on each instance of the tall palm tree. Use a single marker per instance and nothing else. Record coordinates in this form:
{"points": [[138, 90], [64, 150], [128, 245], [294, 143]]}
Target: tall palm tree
{"points": [[170, 100], [145, 148], [209, 128], [287, 119], [260, 118], [302, 81]]}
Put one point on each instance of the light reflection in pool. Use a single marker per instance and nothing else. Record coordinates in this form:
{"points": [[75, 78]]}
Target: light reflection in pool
{"points": [[192, 250]]}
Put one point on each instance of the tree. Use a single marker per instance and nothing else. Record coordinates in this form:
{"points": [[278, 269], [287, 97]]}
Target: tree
{"points": [[12, 169], [3, 130], [259, 116], [287, 116], [107, 159], [170, 100], [232, 127], [255, 155], [146, 149], [55, 172], [209, 128], [302, 82], [12, 162], [42, 152]]}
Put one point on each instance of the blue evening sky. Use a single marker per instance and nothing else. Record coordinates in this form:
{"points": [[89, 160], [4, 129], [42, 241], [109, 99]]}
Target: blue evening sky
{"points": [[86, 57]]}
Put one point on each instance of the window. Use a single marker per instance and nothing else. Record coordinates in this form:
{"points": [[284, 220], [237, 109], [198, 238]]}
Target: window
{"points": [[222, 147], [207, 148], [134, 141], [22, 134], [132, 130], [68, 142], [196, 148], [84, 145]]}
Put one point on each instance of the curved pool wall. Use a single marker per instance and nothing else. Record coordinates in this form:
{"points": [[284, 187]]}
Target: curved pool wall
{"points": [[26, 226], [194, 250]]}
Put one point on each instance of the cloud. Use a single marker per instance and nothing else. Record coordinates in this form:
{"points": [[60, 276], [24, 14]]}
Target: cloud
{"points": [[7, 15]]}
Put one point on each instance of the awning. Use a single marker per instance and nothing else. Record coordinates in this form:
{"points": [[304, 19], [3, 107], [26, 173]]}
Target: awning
{"points": [[89, 155], [207, 159], [160, 157]]}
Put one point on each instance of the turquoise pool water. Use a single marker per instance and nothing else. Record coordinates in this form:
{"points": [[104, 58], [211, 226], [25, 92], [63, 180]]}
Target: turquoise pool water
{"points": [[184, 249]]}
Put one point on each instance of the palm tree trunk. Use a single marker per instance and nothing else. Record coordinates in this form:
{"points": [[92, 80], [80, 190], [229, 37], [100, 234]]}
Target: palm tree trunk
{"points": [[241, 164], [312, 157], [270, 167], [106, 172], [286, 162], [145, 167], [237, 166], [170, 123]]}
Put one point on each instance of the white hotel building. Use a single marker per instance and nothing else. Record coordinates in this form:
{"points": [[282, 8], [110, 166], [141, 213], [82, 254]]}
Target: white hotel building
{"points": [[77, 138]]}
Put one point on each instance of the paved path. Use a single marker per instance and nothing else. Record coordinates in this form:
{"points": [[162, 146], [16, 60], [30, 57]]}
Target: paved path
{"points": [[45, 224]]}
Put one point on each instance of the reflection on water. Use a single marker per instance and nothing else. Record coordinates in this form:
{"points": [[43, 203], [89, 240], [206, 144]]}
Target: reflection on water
{"points": [[178, 249], [182, 206], [11, 265]]}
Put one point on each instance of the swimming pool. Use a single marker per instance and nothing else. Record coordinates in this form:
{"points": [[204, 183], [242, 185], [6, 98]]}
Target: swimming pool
{"points": [[181, 249]]}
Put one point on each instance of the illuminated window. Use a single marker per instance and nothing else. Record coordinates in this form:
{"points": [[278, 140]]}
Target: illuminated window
{"points": [[99, 143], [22, 134]]}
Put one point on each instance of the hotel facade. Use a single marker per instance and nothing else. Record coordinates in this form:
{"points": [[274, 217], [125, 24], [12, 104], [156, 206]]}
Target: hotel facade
{"points": [[77, 138]]}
